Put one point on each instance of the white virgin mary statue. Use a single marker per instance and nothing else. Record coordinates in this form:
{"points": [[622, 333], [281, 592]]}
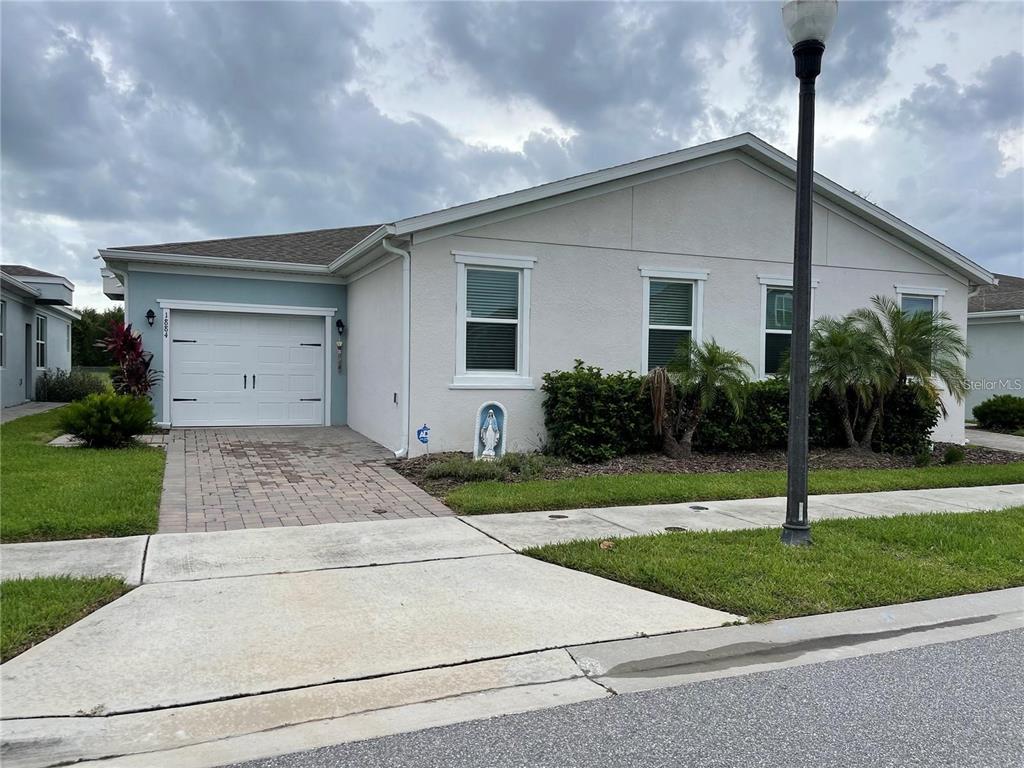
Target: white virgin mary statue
{"points": [[489, 436]]}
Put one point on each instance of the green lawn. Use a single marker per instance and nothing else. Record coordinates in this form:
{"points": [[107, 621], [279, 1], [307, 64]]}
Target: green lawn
{"points": [[51, 493], [623, 490], [852, 563], [34, 609]]}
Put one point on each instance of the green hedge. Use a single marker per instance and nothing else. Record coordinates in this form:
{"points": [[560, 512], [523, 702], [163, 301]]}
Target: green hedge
{"points": [[56, 385], [1002, 412], [595, 416]]}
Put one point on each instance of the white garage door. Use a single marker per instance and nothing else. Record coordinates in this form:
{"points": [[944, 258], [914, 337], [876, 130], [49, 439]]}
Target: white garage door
{"points": [[239, 369]]}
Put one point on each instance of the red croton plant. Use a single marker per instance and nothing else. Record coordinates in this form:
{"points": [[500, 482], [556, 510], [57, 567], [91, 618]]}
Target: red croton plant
{"points": [[132, 374]]}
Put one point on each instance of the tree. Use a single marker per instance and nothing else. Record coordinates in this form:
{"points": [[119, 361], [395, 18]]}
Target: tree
{"points": [[132, 375], [927, 349], [845, 365], [91, 328], [685, 390], [863, 358]]}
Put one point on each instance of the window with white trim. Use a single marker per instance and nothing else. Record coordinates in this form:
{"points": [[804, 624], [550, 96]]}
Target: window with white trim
{"points": [[911, 304], [493, 321], [778, 326], [3, 333], [40, 341], [670, 313]]}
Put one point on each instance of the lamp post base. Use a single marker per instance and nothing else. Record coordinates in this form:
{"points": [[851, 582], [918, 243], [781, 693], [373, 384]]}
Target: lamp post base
{"points": [[796, 535]]}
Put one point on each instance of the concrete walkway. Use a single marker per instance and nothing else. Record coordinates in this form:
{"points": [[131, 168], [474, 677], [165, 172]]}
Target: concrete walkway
{"points": [[241, 633], [998, 440], [522, 530], [12, 412]]}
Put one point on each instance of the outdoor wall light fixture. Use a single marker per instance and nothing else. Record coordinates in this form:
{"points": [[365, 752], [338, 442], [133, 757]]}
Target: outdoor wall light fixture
{"points": [[340, 325], [808, 24], [150, 317]]}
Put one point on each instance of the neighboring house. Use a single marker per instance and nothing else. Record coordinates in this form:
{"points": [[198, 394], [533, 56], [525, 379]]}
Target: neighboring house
{"points": [[441, 312], [995, 334], [35, 328]]}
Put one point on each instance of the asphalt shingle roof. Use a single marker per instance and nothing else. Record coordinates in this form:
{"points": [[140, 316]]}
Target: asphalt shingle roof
{"points": [[1009, 294], [320, 246], [19, 270]]}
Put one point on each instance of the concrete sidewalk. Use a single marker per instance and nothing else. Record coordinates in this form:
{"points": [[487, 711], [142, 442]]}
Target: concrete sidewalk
{"points": [[191, 556], [998, 440], [522, 530]]}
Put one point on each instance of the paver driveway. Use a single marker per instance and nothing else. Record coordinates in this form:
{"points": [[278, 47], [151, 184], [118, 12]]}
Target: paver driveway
{"points": [[223, 479]]}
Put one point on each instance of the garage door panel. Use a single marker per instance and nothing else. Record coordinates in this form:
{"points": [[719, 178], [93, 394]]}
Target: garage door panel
{"points": [[243, 369]]}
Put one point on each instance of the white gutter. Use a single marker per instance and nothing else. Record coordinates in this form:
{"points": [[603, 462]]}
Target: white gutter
{"points": [[403, 446], [180, 259]]}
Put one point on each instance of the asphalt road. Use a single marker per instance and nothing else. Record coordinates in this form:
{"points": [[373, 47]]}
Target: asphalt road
{"points": [[956, 704]]}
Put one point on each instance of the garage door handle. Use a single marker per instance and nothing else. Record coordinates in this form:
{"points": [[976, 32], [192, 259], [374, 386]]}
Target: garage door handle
{"points": [[254, 381], [245, 381]]}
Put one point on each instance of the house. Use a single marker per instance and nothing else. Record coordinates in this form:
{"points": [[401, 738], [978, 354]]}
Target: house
{"points": [[35, 328], [391, 327], [995, 334]]}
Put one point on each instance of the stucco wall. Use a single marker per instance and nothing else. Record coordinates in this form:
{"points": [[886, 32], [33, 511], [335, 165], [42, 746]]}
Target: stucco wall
{"points": [[728, 218], [145, 289], [996, 364], [58, 355], [373, 355]]}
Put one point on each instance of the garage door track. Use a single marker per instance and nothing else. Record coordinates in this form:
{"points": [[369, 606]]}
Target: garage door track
{"points": [[224, 479]]}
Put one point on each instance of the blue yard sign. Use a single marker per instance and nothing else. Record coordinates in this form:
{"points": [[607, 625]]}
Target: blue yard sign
{"points": [[423, 434]]}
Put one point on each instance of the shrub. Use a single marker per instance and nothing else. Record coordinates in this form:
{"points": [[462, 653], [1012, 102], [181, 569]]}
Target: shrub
{"points": [[592, 416], [107, 420], [922, 458], [60, 386], [909, 415], [1002, 412], [132, 374], [953, 455]]}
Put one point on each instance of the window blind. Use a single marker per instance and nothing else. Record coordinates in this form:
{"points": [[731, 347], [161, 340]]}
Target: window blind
{"points": [[671, 303]]}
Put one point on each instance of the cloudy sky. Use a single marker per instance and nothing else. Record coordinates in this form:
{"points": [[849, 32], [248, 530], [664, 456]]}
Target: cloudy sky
{"points": [[146, 122]]}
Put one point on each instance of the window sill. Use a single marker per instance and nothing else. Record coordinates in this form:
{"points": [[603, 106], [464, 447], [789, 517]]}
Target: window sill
{"points": [[491, 382]]}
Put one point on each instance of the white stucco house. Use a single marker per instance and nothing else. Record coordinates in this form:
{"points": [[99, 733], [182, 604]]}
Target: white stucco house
{"points": [[35, 328], [995, 334], [439, 313]]}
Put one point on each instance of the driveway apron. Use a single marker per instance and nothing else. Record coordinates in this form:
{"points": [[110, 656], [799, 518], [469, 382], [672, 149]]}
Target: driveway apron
{"points": [[225, 479]]}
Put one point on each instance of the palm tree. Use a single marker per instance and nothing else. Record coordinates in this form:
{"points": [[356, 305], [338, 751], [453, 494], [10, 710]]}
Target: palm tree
{"points": [[924, 348], [845, 365], [684, 391]]}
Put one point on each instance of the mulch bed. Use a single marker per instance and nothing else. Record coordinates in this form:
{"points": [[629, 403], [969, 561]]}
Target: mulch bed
{"points": [[414, 469]]}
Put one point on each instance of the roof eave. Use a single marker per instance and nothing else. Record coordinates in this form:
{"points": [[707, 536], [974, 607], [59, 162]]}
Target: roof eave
{"points": [[180, 259], [18, 286], [360, 249]]}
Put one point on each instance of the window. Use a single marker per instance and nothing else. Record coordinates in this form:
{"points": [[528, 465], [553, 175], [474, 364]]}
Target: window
{"points": [[911, 304], [40, 341], [3, 333], [777, 320], [671, 313], [493, 325], [778, 327]]}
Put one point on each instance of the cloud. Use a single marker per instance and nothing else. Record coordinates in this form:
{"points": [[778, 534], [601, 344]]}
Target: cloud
{"points": [[146, 122]]}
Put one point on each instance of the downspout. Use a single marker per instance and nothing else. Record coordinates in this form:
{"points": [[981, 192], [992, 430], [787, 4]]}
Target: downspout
{"points": [[403, 447]]}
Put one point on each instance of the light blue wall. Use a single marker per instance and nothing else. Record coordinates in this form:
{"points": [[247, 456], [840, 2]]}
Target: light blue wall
{"points": [[144, 289], [21, 312]]}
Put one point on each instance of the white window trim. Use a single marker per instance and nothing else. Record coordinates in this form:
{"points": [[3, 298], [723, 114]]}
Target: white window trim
{"points": [[3, 335], [769, 281], [521, 378], [696, 278], [917, 290], [38, 341]]}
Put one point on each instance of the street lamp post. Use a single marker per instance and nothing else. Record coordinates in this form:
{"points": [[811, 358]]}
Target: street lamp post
{"points": [[808, 24]]}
